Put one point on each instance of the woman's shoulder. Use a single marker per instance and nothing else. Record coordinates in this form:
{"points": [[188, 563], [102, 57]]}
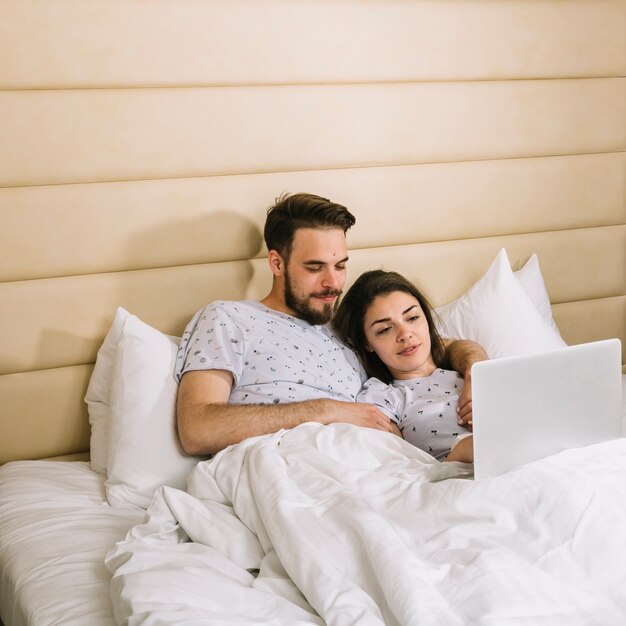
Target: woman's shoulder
{"points": [[374, 383], [374, 388], [386, 397]]}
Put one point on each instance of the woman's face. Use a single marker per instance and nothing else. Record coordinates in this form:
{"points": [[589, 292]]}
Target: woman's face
{"points": [[397, 331]]}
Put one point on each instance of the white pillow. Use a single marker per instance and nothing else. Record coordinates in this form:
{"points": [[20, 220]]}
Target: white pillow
{"points": [[531, 280], [99, 392], [144, 449], [497, 313]]}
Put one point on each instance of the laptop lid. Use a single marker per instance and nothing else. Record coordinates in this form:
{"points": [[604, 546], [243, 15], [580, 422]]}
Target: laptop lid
{"points": [[530, 406]]}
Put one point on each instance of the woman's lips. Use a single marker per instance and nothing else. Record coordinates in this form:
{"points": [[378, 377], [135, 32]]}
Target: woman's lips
{"points": [[408, 351]]}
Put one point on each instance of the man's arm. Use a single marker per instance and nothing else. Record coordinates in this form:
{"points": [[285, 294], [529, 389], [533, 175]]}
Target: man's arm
{"points": [[208, 424], [461, 354]]}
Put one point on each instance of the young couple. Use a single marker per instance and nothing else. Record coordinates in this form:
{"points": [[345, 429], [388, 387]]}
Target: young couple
{"points": [[251, 368]]}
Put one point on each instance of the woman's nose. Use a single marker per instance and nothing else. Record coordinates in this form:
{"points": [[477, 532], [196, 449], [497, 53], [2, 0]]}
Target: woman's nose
{"points": [[403, 334]]}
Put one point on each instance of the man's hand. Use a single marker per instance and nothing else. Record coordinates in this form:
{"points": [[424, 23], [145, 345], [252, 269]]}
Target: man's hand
{"points": [[464, 408], [357, 413], [207, 423], [461, 355]]}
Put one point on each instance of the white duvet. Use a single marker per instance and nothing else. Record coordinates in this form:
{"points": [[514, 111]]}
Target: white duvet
{"points": [[345, 525]]}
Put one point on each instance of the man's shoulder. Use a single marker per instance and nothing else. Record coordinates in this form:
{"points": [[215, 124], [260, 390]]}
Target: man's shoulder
{"points": [[230, 307], [226, 313], [328, 330]]}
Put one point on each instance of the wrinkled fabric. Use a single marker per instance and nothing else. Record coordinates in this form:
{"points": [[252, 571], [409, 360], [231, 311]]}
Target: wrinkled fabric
{"points": [[344, 525]]}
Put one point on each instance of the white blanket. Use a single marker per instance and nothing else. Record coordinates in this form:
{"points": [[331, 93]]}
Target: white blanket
{"points": [[346, 525]]}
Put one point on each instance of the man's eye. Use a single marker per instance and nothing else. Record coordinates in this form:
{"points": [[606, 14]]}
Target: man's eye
{"points": [[341, 267], [313, 269]]}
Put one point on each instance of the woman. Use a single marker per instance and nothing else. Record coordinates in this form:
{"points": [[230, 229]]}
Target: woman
{"points": [[388, 322]]}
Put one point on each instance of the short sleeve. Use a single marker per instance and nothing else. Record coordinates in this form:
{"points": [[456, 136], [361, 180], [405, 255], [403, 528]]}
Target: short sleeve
{"points": [[385, 397], [212, 340]]}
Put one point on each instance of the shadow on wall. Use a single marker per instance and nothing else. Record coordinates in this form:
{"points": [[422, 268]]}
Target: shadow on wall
{"points": [[195, 261], [173, 270], [210, 238]]}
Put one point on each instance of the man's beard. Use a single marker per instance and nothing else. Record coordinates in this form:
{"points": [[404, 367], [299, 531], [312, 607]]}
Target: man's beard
{"points": [[302, 309]]}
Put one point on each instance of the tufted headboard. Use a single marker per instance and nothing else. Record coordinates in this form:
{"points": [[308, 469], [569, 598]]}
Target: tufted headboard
{"points": [[141, 143]]}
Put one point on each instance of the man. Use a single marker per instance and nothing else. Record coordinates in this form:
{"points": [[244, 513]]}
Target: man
{"points": [[251, 368]]}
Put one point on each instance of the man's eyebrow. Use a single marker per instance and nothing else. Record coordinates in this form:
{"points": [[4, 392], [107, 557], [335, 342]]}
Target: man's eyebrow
{"points": [[386, 319], [316, 262]]}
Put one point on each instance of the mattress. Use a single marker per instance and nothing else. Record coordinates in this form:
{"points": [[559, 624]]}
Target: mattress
{"points": [[55, 529]]}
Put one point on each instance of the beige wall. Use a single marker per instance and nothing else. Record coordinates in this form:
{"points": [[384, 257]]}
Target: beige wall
{"points": [[143, 141]]}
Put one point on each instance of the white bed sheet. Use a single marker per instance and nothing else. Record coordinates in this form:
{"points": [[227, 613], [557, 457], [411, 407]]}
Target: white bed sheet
{"points": [[55, 529], [344, 525]]}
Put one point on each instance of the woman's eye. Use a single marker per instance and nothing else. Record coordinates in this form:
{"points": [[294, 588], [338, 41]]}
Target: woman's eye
{"points": [[382, 331]]}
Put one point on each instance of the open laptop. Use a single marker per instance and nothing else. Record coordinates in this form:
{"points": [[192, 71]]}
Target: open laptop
{"points": [[528, 407]]}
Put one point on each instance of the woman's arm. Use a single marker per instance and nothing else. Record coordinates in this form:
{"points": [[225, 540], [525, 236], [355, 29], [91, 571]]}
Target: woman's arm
{"points": [[463, 451]]}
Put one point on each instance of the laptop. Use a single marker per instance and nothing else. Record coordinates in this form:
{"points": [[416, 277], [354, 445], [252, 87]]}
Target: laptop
{"points": [[528, 407]]}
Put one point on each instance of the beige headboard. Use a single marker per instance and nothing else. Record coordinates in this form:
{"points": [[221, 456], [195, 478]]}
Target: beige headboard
{"points": [[141, 143]]}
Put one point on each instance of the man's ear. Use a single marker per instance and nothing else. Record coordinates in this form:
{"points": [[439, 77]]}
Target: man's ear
{"points": [[277, 263]]}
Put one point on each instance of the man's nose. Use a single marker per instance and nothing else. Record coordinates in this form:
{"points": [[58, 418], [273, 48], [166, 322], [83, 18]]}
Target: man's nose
{"points": [[331, 280]]}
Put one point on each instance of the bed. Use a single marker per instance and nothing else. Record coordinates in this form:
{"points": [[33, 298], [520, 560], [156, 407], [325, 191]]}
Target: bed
{"points": [[142, 144]]}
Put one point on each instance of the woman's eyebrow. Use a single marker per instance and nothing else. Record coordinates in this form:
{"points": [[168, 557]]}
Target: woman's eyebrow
{"points": [[387, 319], [380, 321]]}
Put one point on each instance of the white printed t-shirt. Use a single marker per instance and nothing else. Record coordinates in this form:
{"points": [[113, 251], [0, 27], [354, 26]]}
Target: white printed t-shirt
{"points": [[424, 408], [272, 356]]}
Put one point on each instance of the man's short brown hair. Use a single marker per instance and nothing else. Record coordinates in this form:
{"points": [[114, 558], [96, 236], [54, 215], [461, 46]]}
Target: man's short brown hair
{"points": [[301, 210]]}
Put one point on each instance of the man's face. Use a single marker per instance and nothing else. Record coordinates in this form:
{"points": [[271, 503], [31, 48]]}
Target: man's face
{"points": [[315, 273]]}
